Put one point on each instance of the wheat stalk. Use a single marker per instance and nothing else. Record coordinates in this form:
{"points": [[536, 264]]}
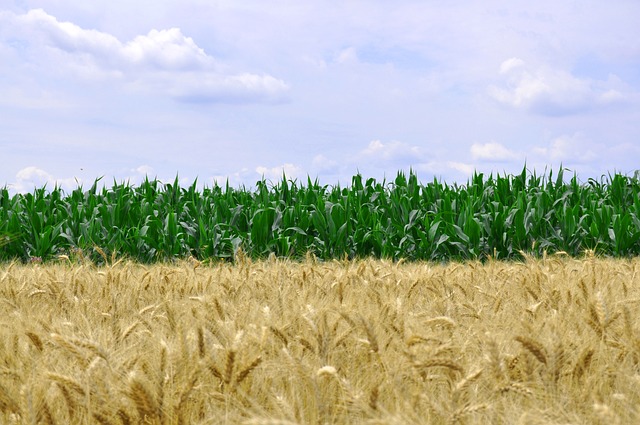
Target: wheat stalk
{"points": [[230, 365], [557, 362], [464, 383], [281, 336], [44, 414], [371, 336], [103, 419], [583, 363], [142, 398], [467, 410], [36, 340], [534, 347], [7, 403], [446, 363], [246, 371], [67, 382], [202, 350], [71, 348], [517, 388]]}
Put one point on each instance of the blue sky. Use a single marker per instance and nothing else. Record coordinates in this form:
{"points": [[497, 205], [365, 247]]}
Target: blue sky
{"points": [[240, 89]]}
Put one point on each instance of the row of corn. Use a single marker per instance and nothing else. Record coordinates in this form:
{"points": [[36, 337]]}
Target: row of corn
{"points": [[501, 216]]}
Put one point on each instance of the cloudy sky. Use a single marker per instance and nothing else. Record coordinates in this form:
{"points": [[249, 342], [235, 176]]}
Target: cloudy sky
{"points": [[240, 89]]}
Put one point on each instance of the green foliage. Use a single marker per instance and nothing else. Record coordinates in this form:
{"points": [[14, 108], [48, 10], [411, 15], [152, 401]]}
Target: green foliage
{"points": [[497, 216]]}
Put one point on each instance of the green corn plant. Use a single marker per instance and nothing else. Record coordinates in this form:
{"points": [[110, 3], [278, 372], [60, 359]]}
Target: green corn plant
{"points": [[491, 215]]}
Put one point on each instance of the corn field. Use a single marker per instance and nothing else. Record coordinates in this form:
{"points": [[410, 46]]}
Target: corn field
{"points": [[490, 216]]}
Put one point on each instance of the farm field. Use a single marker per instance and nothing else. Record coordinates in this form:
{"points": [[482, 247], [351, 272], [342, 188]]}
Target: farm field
{"points": [[551, 340], [490, 216]]}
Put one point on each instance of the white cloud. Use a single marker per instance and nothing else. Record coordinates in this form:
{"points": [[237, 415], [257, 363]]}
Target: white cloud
{"points": [[166, 49], [316, 63], [81, 76], [34, 174], [548, 91], [162, 61], [323, 164], [29, 178], [464, 168], [145, 170], [570, 149], [348, 55], [208, 87], [447, 169], [392, 152], [611, 96], [492, 151], [137, 175], [510, 64], [290, 171], [235, 179]]}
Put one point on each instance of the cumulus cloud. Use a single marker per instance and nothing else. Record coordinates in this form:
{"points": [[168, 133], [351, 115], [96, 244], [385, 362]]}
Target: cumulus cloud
{"points": [[235, 179], [145, 170], [569, 148], [392, 153], [552, 92], [202, 88], [510, 64], [492, 151], [166, 49], [323, 164], [34, 175], [390, 157], [455, 170], [461, 167], [290, 171], [29, 178], [136, 175], [162, 61]]}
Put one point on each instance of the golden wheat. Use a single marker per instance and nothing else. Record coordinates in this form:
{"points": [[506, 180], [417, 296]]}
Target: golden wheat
{"points": [[555, 340]]}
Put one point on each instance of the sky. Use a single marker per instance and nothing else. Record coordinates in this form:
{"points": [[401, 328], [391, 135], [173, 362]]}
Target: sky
{"points": [[240, 90]]}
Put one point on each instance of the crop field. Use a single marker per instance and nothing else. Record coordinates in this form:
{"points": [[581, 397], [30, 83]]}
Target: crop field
{"points": [[507, 300], [554, 340], [490, 216]]}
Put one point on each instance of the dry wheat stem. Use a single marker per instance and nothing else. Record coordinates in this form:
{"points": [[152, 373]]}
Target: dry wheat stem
{"points": [[340, 342]]}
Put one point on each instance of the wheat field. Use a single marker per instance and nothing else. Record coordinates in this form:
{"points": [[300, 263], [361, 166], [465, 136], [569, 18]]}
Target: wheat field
{"points": [[543, 341]]}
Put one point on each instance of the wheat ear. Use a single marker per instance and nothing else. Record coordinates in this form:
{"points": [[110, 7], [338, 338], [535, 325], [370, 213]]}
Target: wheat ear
{"points": [[534, 347]]}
